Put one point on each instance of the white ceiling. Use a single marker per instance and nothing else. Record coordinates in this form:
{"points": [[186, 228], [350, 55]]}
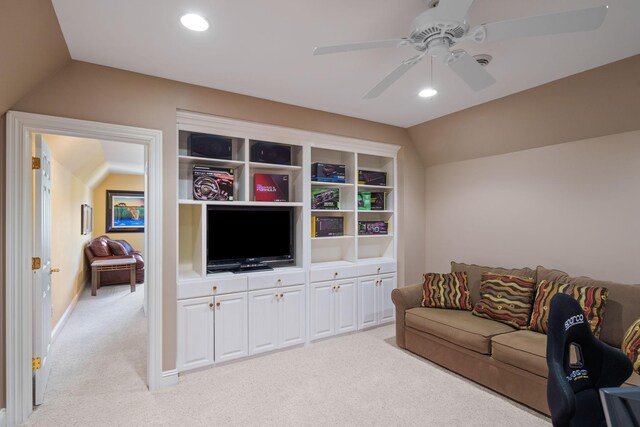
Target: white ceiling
{"points": [[264, 49], [91, 160]]}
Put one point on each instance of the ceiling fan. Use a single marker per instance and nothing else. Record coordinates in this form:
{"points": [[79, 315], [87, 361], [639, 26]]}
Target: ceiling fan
{"points": [[435, 31]]}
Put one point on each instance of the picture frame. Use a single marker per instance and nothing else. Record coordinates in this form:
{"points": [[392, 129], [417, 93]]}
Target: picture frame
{"points": [[125, 211], [86, 219]]}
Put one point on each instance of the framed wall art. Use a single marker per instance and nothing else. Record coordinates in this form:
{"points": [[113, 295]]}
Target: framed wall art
{"points": [[86, 219], [125, 211]]}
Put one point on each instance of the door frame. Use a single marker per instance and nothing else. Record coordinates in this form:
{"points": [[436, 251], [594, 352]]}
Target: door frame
{"points": [[18, 246]]}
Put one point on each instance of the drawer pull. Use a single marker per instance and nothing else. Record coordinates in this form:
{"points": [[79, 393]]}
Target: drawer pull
{"points": [[215, 289], [378, 270], [338, 286], [282, 296], [210, 305], [335, 274], [218, 304]]}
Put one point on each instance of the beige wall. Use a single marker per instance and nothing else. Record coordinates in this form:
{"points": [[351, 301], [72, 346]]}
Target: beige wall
{"points": [[68, 193], [115, 182], [103, 94], [572, 206], [599, 102], [32, 48]]}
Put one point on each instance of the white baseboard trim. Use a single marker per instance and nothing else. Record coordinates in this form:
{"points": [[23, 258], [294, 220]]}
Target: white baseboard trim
{"points": [[3, 417], [65, 316], [169, 378]]}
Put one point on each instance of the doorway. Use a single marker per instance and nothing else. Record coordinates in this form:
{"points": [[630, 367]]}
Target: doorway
{"points": [[21, 127]]}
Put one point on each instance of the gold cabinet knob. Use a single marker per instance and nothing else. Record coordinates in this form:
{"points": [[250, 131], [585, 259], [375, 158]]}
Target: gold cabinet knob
{"points": [[55, 270]]}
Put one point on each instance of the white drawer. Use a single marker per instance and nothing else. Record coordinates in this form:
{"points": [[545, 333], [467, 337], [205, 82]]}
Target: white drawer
{"points": [[380, 268], [337, 273], [272, 280], [225, 284]]}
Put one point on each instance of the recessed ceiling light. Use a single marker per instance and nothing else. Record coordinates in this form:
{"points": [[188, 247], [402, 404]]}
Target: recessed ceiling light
{"points": [[428, 92], [194, 22]]}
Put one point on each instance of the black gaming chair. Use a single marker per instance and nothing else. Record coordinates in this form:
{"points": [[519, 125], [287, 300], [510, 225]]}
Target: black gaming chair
{"points": [[572, 387]]}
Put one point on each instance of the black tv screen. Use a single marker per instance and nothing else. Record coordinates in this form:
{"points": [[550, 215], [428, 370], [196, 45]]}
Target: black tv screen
{"points": [[246, 234]]}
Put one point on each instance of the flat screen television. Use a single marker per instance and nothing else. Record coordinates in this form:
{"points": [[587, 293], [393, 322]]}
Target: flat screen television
{"points": [[242, 238]]}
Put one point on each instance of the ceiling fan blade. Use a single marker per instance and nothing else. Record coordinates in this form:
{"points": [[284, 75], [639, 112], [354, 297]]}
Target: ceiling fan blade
{"points": [[469, 70], [392, 77], [555, 23], [453, 10], [360, 46]]}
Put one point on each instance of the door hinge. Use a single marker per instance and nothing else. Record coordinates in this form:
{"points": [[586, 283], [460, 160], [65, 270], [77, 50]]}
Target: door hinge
{"points": [[35, 363], [35, 163], [35, 263]]}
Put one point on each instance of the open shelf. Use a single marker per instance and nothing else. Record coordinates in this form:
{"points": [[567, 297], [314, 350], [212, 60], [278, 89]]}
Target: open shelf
{"points": [[238, 203], [332, 237], [229, 164], [331, 184], [373, 236], [260, 165], [374, 187], [321, 211]]}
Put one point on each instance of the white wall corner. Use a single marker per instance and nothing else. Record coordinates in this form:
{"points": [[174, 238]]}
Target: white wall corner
{"points": [[169, 378]]}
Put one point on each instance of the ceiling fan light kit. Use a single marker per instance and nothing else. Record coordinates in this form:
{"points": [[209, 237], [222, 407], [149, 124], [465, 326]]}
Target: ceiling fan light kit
{"points": [[443, 25]]}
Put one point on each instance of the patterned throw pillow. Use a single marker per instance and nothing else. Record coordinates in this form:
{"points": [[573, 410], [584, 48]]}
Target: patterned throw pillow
{"points": [[448, 290], [506, 299], [592, 299], [117, 248], [631, 345]]}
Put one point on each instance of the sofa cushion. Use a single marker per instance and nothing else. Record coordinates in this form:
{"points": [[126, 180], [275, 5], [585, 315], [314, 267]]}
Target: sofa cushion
{"points": [[526, 350], [631, 345], [117, 248], [623, 302], [633, 380], [592, 299], [100, 248], [447, 290], [475, 272], [506, 299], [456, 326], [126, 245]]}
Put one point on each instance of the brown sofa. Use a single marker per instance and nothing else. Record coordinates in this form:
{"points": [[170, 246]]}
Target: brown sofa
{"points": [[509, 361], [105, 248]]}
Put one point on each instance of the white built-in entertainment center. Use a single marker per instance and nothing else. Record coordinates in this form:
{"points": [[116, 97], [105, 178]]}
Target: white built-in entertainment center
{"points": [[334, 285]]}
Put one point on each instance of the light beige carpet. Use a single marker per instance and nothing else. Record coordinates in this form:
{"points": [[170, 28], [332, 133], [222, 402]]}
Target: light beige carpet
{"points": [[98, 370]]}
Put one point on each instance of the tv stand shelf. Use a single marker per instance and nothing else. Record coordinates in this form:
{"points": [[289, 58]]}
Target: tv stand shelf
{"points": [[335, 284]]}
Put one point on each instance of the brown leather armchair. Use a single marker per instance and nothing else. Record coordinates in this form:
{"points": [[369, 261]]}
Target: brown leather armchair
{"points": [[104, 248]]}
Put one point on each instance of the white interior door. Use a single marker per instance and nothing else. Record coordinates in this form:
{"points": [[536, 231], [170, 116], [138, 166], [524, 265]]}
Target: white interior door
{"points": [[42, 309]]}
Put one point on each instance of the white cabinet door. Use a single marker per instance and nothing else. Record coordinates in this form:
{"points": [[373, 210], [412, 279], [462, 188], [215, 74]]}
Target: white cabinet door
{"points": [[386, 310], [368, 293], [291, 307], [321, 316], [346, 306], [263, 321], [231, 340], [195, 333]]}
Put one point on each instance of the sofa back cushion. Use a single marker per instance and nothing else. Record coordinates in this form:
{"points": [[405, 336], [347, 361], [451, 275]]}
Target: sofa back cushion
{"points": [[623, 302], [448, 290], [100, 247], [117, 248], [506, 299], [475, 272]]}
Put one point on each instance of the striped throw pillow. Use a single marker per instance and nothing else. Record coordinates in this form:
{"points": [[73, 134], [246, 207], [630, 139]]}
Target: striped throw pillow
{"points": [[592, 299], [631, 345], [447, 290], [506, 299]]}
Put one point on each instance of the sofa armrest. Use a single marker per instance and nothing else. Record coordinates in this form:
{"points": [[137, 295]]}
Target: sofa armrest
{"points": [[405, 298]]}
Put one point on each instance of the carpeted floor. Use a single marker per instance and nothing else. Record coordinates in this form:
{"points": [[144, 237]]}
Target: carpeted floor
{"points": [[98, 370]]}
